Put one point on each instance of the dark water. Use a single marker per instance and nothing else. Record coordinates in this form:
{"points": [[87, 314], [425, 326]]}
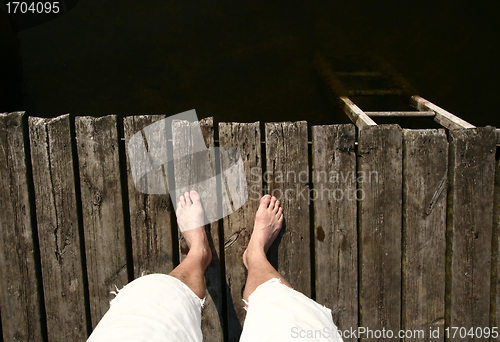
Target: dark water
{"points": [[244, 61]]}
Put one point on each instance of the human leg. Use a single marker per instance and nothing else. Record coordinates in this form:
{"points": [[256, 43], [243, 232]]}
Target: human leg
{"points": [[276, 312], [191, 271], [161, 307], [268, 223]]}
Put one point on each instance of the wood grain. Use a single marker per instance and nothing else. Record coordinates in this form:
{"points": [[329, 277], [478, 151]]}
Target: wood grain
{"points": [[470, 212], [57, 220], [287, 169], [102, 209], [19, 298], [380, 155], [495, 267], [335, 222], [425, 168], [150, 214], [238, 226]]}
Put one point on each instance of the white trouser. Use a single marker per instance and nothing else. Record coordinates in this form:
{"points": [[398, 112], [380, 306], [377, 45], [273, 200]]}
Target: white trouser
{"points": [[159, 307]]}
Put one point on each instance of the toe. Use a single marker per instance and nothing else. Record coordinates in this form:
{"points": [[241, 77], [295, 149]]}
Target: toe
{"points": [[280, 212], [273, 203], [195, 197], [265, 200], [277, 206], [182, 202], [188, 199]]}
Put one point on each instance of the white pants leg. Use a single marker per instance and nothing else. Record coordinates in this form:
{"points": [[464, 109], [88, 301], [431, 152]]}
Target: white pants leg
{"points": [[152, 308], [279, 313]]}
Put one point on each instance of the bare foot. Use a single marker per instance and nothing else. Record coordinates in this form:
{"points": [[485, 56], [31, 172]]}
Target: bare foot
{"points": [[268, 223], [190, 217]]}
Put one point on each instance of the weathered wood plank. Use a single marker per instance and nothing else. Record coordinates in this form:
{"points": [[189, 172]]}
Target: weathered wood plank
{"points": [[495, 269], [380, 163], [150, 214], [470, 212], [58, 231], [192, 172], [102, 209], [335, 222], [443, 117], [19, 297], [287, 170], [1, 332], [245, 137], [357, 116], [425, 170]]}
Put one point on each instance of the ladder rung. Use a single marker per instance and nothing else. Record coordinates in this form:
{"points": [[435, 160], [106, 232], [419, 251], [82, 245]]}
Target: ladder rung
{"points": [[375, 92], [412, 113], [359, 73]]}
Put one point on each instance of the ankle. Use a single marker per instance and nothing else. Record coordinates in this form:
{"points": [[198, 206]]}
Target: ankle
{"points": [[202, 253], [253, 256]]}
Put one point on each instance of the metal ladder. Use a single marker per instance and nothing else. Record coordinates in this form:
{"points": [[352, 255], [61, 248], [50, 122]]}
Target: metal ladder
{"points": [[398, 86]]}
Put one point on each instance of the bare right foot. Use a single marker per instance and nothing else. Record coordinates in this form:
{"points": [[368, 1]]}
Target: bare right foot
{"points": [[268, 223], [190, 219]]}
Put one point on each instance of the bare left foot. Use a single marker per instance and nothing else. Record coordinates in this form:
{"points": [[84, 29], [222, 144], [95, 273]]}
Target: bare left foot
{"points": [[190, 217], [268, 223]]}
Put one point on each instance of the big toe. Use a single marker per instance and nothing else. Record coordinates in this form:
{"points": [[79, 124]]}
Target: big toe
{"points": [[195, 197], [265, 200]]}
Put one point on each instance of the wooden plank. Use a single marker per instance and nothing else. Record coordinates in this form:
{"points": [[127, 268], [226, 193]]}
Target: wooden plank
{"points": [[58, 231], [443, 117], [495, 266], [472, 172], [150, 214], [287, 173], [102, 209], [19, 297], [356, 115], [335, 222], [425, 176], [380, 164], [191, 171], [245, 137]]}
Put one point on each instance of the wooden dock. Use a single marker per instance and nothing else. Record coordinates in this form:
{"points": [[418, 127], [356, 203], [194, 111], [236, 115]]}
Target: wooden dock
{"points": [[391, 228]]}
